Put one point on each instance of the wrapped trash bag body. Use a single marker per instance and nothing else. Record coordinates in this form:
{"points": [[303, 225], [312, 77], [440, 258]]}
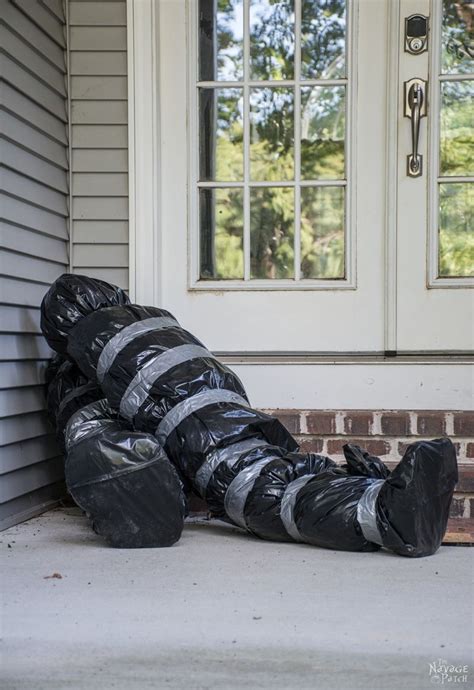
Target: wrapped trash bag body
{"points": [[242, 461], [163, 380], [123, 480], [67, 390]]}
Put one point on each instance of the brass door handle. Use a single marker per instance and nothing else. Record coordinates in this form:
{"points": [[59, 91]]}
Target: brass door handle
{"points": [[415, 109]]}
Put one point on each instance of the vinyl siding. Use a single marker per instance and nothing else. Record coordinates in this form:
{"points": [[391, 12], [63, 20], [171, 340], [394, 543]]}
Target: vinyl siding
{"points": [[34, 242], [99, 165]]}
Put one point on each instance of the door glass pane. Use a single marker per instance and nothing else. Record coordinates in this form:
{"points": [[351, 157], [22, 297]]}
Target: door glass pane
{"points": [[457, 37], [323, 39], [272, 39], [323, 122], [455, 226], [272, 232], [221, 134], [221, 28], [457, 128], [322, 232], [271, 134], [456, 230], [222, 234]]}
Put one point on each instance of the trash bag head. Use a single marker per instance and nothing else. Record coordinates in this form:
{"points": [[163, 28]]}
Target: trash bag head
{"points": [[68, 300]]}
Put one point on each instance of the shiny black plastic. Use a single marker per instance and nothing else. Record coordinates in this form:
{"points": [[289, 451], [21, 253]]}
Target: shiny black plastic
{"points": [[413, 504], [67, 390], [69, 299], [123, 480], [242, 461]]}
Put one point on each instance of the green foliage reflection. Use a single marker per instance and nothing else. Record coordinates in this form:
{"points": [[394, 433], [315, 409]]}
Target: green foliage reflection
{"points": [[456, 236]]}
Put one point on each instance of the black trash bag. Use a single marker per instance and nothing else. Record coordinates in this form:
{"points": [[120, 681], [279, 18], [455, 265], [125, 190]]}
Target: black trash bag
{"points": [[240, 460], [406, 513], [359, 462], [68, 390], [69, 299], [51, 370], [413, 503], [123, 480], [257, 496], [148, 365]]}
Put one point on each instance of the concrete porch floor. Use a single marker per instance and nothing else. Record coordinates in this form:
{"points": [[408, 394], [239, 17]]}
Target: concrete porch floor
{"points": [[221, 610]]}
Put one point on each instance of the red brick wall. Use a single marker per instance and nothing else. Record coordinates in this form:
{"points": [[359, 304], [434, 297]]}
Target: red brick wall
{"points": [[382, 432]]}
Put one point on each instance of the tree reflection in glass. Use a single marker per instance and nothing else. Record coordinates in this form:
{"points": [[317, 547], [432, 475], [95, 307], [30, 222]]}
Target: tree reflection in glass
{"points": [[221, 134], [323, 39], [272, 232], [457, 128], [322, 232], [457, 37], [222, 234], [272, 39], [221, 27], [323, 120], [271, 134], [456, 230]]}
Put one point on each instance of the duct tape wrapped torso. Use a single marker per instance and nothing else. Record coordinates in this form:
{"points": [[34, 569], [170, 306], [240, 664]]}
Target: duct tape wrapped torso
{"points": [[244, 463]]}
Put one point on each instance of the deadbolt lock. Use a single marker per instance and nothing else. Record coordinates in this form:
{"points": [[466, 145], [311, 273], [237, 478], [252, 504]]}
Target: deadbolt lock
{"points": [[416, 34]]}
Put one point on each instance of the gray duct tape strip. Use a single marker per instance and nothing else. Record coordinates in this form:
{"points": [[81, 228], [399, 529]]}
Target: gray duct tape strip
{"points": [[125, 336], [137, 391], [196, 402], [239, 489], [367, 514], [288, 502], [229, 455]]}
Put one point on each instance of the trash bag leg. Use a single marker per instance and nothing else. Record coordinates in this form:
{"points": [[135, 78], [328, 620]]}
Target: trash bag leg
{"points": [[412, 507]]}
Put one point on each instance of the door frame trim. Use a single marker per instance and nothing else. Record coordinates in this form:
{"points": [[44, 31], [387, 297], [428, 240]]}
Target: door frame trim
{"points": [[391, 184], [144, 134]]}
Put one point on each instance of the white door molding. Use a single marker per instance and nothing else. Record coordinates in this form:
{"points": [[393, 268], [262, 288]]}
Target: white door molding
{"points": [[143, 154]]}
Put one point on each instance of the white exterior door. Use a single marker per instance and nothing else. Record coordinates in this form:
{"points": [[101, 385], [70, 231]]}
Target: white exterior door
{"points": [[274, 213], [434, 212], [286, 144]]}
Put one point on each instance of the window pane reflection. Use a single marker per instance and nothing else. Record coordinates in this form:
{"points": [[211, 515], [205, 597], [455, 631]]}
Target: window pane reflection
{"points": [[221, 134], [457, 37], [456, 230], [221, 28], [271, 134], [272, 232], [323, 124], [323, 39], [222, 234], [457, 128], [322, 232], [272, 39]]}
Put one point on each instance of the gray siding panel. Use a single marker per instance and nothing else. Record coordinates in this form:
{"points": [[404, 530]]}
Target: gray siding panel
{"points": [[36, 179], [34, 243], [98, 38], [105, 160], [99, 116], [97, 14], [95, 63]]}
